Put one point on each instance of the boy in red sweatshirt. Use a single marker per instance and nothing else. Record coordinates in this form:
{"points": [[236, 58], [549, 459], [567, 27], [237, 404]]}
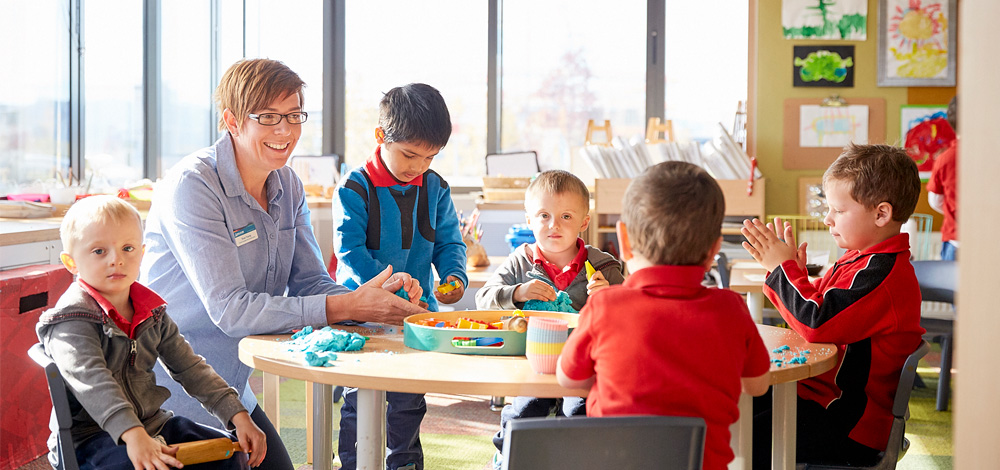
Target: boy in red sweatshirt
{"points": [[867, 303]]}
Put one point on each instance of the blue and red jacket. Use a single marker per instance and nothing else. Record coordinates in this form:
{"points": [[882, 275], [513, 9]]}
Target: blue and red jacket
{"points": [[868, 305], [378, 221]]}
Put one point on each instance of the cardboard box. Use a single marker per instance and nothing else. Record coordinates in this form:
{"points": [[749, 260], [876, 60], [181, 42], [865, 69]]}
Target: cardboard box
{"points": [[24, 396]]}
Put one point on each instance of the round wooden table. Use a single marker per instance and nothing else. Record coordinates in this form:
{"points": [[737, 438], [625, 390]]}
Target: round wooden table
{"points": [[386, 365]]}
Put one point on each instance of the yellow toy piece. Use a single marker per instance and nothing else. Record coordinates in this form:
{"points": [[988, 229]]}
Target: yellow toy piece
{"points": [[590, 270], [447, 287]]}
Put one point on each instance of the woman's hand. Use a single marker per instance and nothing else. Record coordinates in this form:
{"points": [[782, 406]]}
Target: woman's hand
{"points": [[534, 289], [453, 295], [371, 302], [147, 453], [253, 441]]}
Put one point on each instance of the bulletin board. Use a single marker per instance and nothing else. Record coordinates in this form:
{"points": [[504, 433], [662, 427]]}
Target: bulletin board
{"points": [[795, 157]]}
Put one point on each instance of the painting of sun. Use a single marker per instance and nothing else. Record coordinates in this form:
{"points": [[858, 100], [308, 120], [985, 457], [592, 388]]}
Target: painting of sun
{"points": [[916, 43]]}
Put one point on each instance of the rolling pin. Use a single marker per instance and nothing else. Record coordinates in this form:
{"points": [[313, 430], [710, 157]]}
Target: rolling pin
{"points": [[208, 450]]}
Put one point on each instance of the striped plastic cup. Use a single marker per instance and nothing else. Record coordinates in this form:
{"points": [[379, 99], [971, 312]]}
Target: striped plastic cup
{"points": [[545, 340]]}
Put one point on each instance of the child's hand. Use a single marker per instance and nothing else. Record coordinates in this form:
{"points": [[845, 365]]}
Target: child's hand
{"points": [[147, 453], [597, 282], [252, 439], [405, 281], [534, 289], [453, 295], [765, 244]]}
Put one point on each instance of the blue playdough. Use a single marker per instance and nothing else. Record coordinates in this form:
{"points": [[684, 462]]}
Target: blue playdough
{"points": [[561, 304], [401, 293], [321, 345]]}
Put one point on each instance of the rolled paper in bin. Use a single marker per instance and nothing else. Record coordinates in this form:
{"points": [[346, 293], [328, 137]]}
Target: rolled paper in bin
{"points": [[544, 342]]}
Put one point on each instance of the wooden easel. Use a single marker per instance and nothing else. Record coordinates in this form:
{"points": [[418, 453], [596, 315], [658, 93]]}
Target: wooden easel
{"points": [[590, 132], [654, 128]]}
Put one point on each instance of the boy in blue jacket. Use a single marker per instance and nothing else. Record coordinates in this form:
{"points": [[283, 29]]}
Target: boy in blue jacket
{"points": [[395, 211]]}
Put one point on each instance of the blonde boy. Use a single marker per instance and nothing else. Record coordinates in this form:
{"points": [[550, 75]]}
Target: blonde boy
{"points": [[557, 206], [106, 333], [867, 303], [661, 343]]}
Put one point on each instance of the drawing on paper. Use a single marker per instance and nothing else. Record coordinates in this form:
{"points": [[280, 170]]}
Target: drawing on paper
{"points": [[832, 126], [925, 133], [917, 39], [824, 19], [823, 66]]}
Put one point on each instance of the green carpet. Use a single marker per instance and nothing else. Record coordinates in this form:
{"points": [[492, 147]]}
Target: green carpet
{"points": [[456, 431]]}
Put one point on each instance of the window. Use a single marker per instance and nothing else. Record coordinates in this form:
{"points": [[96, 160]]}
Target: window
{"points": [[292, 32], [34, 98], [187, 112], [113, 110], [565, 62], [442, 44], [706, 77]]}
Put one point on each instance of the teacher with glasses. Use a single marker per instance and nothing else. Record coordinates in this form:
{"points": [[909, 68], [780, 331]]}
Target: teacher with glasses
{"points": [[229, 245]]}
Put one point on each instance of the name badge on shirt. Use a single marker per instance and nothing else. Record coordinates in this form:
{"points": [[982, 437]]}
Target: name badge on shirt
{"points": [[245, 235]]}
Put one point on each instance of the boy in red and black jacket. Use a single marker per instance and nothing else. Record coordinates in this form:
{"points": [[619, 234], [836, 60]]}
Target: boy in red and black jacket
{"points": [[867, 303]]}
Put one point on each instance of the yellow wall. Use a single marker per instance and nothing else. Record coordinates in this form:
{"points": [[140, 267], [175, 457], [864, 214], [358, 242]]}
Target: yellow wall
{"points": [[773, 84]]}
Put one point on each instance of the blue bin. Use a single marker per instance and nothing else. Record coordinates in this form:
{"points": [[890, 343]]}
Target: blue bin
{"points": [[518, 234]]}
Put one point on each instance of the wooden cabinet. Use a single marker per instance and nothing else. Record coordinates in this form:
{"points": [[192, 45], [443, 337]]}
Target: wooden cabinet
{"points": [[609, 193]]}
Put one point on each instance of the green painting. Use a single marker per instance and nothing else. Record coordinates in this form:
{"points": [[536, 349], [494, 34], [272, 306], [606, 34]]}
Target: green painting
{"points": [[825, 19], [823, 66]]}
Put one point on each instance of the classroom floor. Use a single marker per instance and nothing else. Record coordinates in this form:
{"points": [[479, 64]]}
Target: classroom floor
{"points": [[457, 428]]}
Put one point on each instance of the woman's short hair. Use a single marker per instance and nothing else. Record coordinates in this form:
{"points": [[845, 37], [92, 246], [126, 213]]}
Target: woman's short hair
{"points": [[253, 84]]}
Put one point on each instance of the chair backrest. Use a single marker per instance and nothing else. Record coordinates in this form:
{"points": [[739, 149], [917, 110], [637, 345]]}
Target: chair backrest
{"points": [[937, 279], [628, 442], [60, 403], [906, 378], [722, 265]]}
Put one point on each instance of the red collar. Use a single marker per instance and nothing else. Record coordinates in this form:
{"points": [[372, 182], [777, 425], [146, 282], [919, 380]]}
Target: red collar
{"points": [[144, 300], [667, 275], [560, 277], [380, 174]]}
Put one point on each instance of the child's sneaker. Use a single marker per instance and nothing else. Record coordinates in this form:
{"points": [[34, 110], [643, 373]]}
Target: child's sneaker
{"points": [[497, 461]]}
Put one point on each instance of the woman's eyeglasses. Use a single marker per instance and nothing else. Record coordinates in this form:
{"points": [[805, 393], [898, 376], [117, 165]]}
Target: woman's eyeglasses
{"points": [[272, 119]]}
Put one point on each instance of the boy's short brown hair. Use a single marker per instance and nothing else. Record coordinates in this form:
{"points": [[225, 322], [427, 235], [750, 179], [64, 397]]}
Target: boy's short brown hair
{"points": [[673, 212], [558, 182], [94, 209], [253, 84], [877, 174]]}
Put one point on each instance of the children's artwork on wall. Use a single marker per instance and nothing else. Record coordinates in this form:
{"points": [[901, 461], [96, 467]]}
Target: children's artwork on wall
{"points": [[916, 42], [825, 19], [823, 66], [925, 133], [832, 126]]}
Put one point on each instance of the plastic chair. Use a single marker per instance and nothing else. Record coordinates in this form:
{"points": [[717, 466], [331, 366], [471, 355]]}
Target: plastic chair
{"points": [[919, 228], [722, 267], [812, 230], [898, 443], [60, 403], [628, 442], [938, 281]]}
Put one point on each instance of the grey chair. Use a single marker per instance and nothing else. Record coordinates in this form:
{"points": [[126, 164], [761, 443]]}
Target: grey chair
{"points": [[621, 443], [898, 443], [938, 281], [60, 403], [722, 267]]}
